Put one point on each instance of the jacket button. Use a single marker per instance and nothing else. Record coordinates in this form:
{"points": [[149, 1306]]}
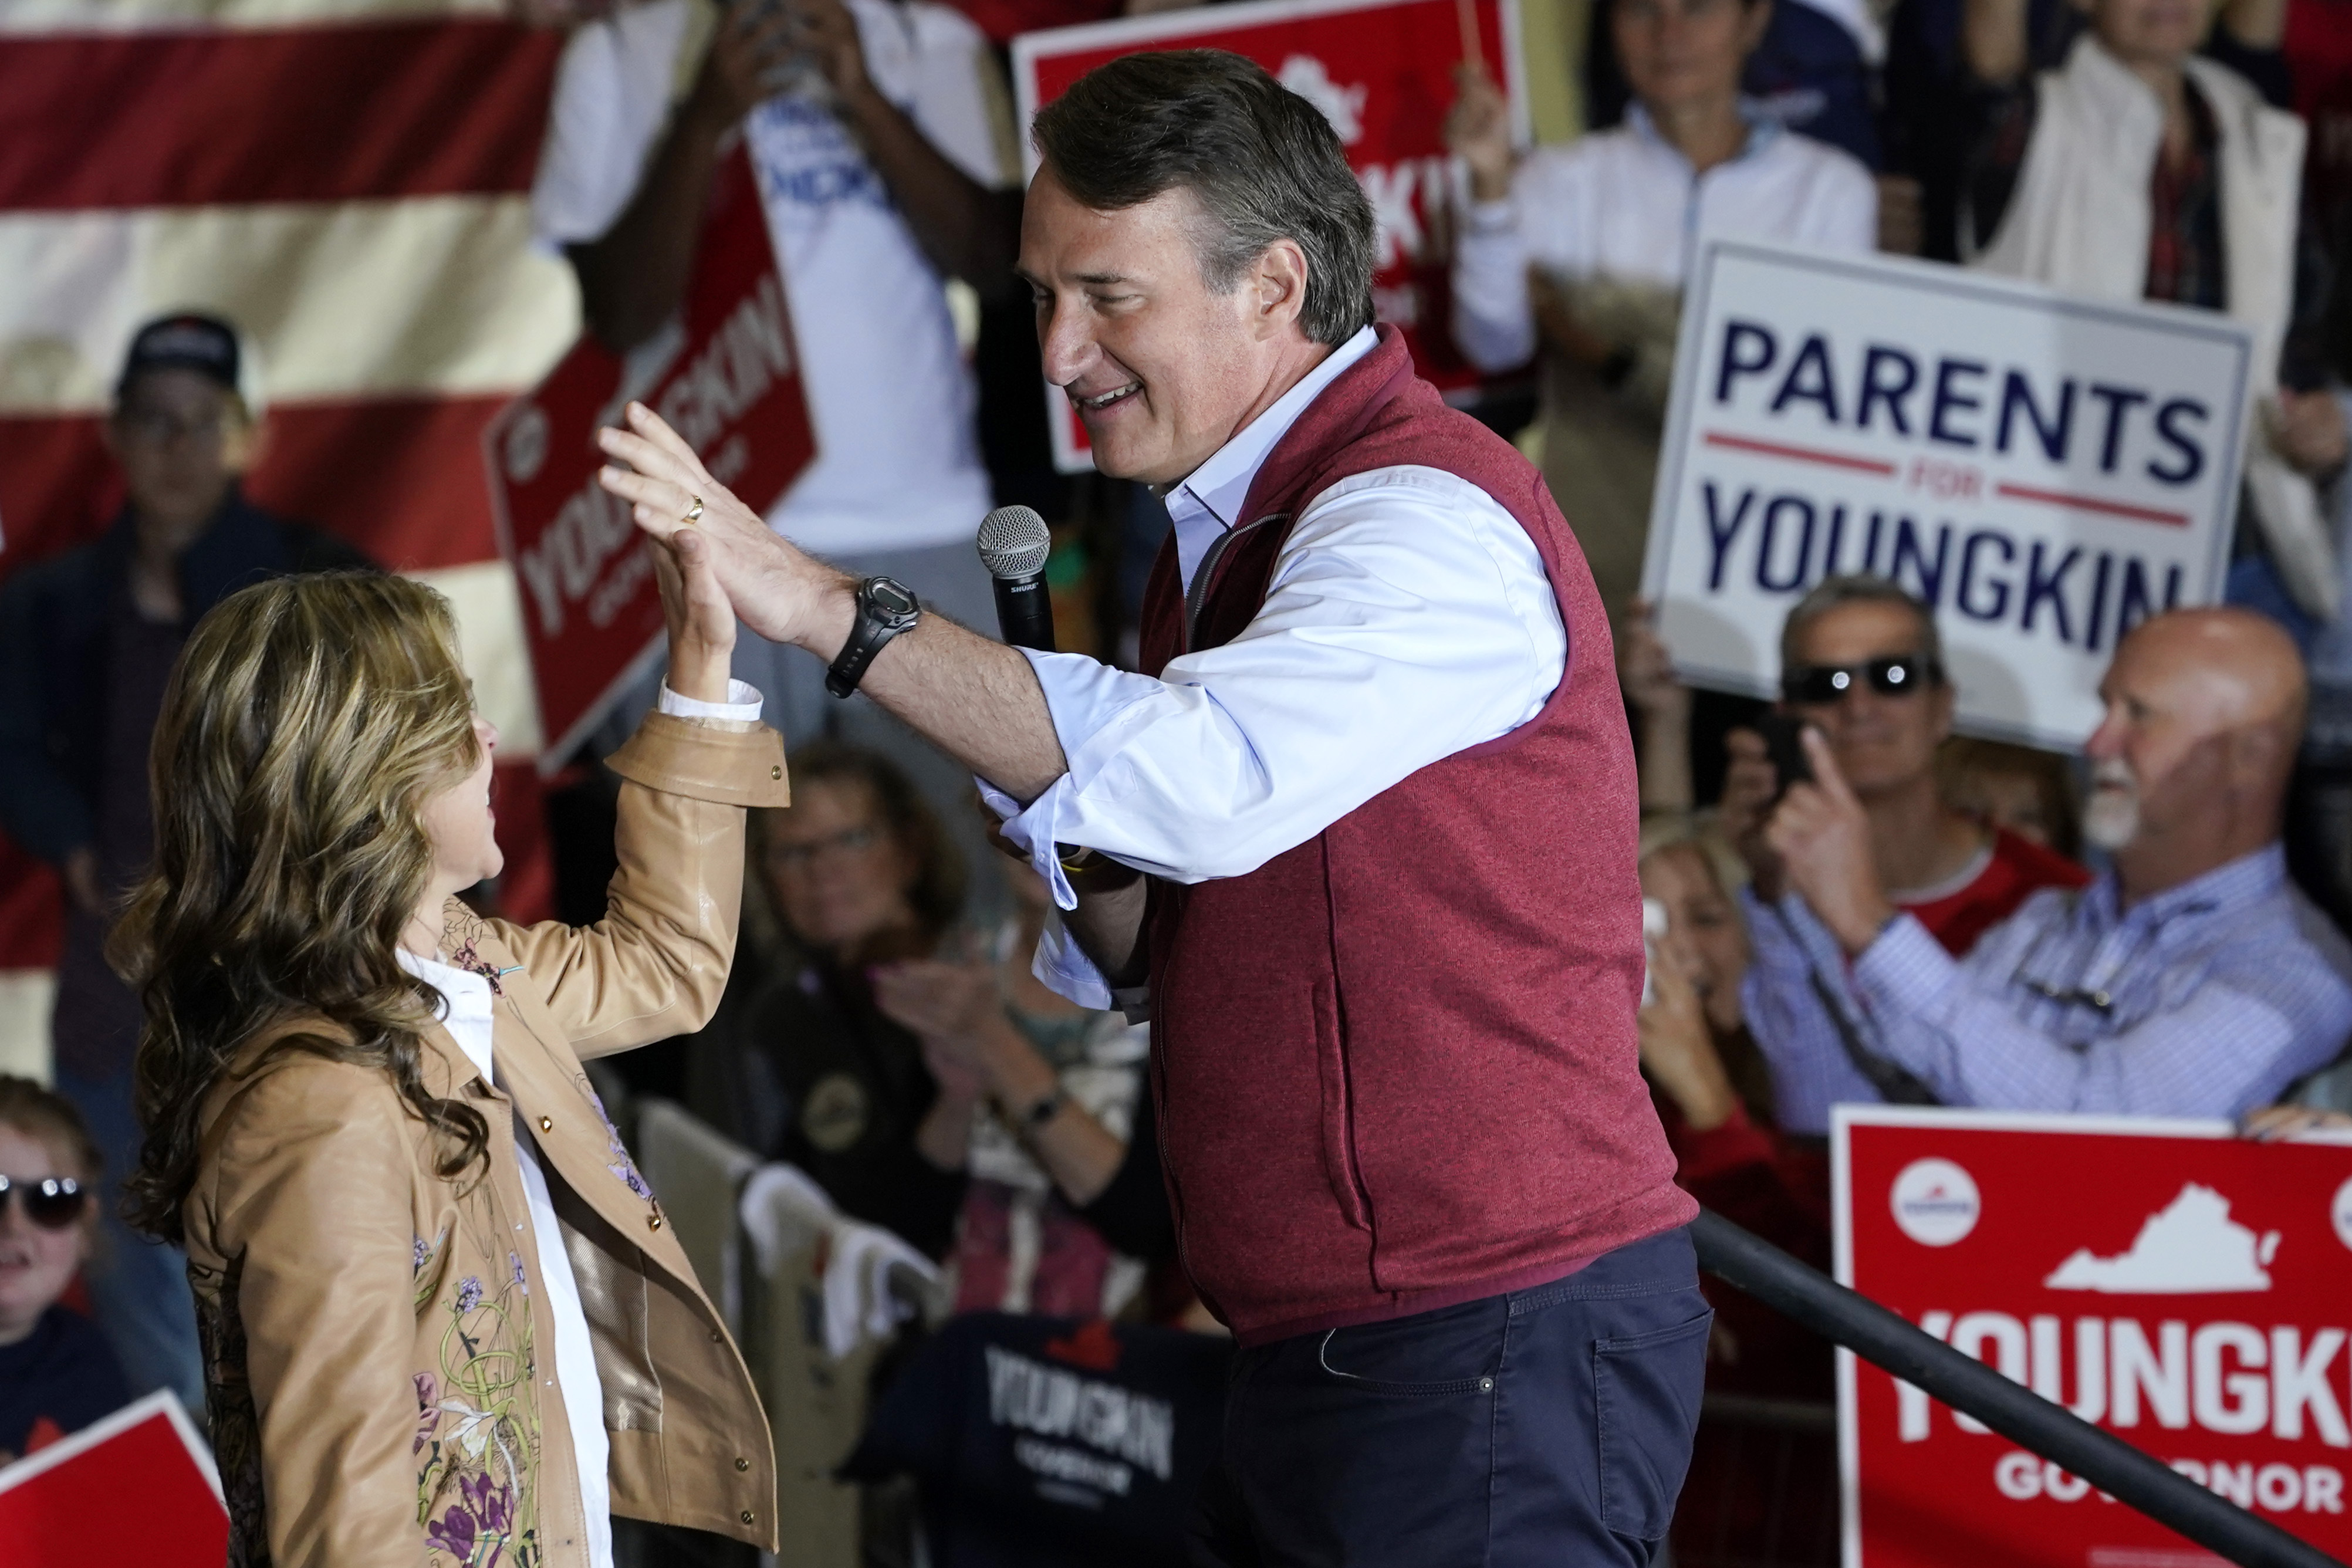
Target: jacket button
{"points": [[547, 1124], [742, 1463], [776, 772], [653, 1222], [746, 1516]]}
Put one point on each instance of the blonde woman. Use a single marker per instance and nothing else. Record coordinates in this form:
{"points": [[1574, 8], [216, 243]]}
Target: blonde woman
{"points": [[445, 1319]]}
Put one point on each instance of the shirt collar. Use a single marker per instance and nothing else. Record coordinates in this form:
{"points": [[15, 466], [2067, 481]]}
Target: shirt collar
{"points": [[2235, 885], [1214, 493], [1763, 129], [468, 994]]}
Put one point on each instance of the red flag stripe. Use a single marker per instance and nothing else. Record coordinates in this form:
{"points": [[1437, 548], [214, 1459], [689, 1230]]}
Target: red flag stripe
{"points": [[400, 478], [301, 114]]}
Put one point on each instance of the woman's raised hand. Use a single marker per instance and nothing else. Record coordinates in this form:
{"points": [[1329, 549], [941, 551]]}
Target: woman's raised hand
{"points": [[777, 591], [702, 621]]}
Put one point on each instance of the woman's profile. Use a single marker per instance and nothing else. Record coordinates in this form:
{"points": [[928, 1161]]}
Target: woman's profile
{"points": [[445, 1319]]}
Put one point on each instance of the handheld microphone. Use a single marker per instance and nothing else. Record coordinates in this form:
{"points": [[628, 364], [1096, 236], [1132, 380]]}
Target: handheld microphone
{"points": [[1014, 544]]}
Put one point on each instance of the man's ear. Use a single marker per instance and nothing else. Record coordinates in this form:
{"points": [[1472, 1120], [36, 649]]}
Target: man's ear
{"points": [[1278, 279]]}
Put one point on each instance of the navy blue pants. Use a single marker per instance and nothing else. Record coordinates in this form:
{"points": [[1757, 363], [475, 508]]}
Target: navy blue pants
{"points": [[1550, 1426]]}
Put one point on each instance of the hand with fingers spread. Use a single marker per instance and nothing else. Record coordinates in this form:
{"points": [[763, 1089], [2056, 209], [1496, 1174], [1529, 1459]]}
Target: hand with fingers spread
{"points": [[778, 592], [1821, 836]]}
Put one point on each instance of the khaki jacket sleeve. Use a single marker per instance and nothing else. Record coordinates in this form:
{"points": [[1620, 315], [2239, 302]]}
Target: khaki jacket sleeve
{"points": [[310, 1191], [655, 965]]}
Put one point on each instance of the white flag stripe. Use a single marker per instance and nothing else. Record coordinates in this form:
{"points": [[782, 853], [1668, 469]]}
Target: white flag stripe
{"points": [[421, 295], [36, 17]]}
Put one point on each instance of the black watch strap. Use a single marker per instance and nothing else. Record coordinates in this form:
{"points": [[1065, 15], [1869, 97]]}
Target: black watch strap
{"points": [[885, 609]]}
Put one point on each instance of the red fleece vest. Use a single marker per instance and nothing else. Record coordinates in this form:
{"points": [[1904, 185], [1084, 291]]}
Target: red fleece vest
{"points": [[1396, 1066]]}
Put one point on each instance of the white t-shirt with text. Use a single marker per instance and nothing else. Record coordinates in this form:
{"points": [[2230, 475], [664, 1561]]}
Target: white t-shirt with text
{"points": [[897, 463]]}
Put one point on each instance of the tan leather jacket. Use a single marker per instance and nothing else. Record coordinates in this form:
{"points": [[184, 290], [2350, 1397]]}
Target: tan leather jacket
{"points": [[381, 1389]]}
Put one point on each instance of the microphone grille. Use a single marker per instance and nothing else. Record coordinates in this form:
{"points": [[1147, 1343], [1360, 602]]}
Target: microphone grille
{"points": [[1015, 542]]}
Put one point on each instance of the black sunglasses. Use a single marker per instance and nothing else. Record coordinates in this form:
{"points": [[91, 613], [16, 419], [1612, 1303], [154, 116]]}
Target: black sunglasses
{"points": [[1822, 683], [52, 1203]]}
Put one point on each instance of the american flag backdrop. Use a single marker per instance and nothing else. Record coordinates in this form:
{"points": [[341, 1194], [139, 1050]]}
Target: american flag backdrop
{"points": [[349, 181]]}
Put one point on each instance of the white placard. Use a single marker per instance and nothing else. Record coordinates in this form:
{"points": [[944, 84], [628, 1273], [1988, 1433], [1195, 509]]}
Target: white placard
{"points": [[2044, 470]]}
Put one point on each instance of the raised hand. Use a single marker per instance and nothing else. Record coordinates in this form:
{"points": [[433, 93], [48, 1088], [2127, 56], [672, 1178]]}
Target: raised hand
{"points": [[780, 593], [1478, 127], [702, 621], [1822, 834]]}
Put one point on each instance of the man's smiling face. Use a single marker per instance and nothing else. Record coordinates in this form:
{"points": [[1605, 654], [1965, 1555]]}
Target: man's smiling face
{"points": [[1161, 370]]}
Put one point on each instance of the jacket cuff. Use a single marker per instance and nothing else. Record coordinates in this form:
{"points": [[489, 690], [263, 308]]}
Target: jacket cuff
{"points": [[701, 762]]}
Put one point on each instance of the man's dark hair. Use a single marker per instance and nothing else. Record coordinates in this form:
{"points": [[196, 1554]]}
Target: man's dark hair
{"points": [[1262, 160]]}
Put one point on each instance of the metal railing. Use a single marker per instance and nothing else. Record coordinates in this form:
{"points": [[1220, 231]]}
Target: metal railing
{"points": [[1886, 1340]]}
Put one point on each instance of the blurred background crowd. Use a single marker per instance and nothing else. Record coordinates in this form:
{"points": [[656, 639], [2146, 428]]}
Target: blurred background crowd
{"points": [[266, 267]]}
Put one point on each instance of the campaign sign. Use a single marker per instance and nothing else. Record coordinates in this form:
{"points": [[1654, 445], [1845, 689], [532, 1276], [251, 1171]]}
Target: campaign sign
{"points": [[2180, 1287], [2043, 470], [1382, 73], [135, 1491], [725, 376]]}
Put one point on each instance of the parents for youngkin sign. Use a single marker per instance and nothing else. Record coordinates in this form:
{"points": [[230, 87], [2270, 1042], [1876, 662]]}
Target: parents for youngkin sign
{"points": [[2045, 471]]}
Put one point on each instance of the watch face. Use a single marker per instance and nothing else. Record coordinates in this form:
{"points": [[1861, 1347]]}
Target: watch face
{"points": [[888, 599]]}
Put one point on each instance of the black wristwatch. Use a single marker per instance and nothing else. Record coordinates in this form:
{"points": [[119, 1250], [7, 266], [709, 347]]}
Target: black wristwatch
{"points": [[885, 609]]}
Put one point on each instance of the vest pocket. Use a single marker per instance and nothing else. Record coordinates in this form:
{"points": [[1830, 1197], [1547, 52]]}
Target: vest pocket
{"points": [[1338, 1119]]}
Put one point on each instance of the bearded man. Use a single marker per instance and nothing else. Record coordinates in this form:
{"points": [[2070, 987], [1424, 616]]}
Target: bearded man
{"points": [[2190, 979]]}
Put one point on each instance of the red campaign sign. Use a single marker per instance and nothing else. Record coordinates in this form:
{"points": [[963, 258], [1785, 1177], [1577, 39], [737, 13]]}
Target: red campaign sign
{"points": [[1382, 72], [2181, 1286], [726, 376], [64, 1505]]}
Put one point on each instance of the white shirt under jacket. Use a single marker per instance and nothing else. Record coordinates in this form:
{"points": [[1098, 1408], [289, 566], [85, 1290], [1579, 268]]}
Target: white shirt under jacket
{"points": [[1409, 617], [468, 1015]]}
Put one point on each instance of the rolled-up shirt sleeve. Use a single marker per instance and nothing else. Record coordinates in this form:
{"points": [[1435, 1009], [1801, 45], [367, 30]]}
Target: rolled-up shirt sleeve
{"points": [[1408, 616]]}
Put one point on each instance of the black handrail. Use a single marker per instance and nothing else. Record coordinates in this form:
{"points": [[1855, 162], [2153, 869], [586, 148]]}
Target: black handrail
{"points": [[1886, 1340]]}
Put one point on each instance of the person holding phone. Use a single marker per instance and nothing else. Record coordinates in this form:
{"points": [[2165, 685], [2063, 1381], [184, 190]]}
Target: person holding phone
{"points": [[1862, 677], [877, 132]]}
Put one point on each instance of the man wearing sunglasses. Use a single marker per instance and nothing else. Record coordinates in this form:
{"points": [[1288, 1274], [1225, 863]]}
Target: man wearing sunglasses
{"points": [[1862, 670], [2190, 979]]}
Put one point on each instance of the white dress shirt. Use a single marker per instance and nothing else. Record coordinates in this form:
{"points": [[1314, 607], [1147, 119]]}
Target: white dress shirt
{"points": [[467, 1017], [1625, 205], [1409, 617]]}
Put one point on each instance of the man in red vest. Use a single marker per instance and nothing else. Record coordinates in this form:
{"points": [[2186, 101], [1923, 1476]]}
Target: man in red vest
{"points": [[1359, 836]]}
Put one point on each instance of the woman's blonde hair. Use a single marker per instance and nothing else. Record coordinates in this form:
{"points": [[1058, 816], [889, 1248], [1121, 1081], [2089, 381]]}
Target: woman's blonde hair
{"points": [[307, 723]]}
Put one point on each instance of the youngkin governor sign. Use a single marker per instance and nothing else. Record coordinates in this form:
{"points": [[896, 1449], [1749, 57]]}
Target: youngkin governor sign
{"points": [[2045, 471]]}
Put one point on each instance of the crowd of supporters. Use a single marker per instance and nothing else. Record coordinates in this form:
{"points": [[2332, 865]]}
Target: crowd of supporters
{"points": [[1849, 903]]}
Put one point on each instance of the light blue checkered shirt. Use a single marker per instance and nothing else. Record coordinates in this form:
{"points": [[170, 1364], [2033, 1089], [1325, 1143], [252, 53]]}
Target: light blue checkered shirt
{"points": [[2217, 995]]}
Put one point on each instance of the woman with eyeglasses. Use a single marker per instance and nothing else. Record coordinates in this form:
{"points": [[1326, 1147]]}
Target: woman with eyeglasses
{"points": [[802, 1065], [57, 1373]]}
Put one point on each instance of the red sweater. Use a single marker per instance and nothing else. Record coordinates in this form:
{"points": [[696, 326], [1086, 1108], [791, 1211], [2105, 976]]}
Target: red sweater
{"points": [[1396, 1066], [2018, 868]]}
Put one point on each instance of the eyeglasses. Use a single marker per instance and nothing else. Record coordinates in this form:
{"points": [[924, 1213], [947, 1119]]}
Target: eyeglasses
{"points": [[1825, 683], [800, 856], [52, 1203]]}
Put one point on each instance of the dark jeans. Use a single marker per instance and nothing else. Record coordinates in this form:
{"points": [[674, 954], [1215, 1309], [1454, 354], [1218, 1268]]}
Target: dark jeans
{"points": [[1550, 1426]]}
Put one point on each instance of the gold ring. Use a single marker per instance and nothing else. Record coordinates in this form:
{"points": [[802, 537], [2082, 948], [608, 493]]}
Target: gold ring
{"points": [[694, 512]]}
